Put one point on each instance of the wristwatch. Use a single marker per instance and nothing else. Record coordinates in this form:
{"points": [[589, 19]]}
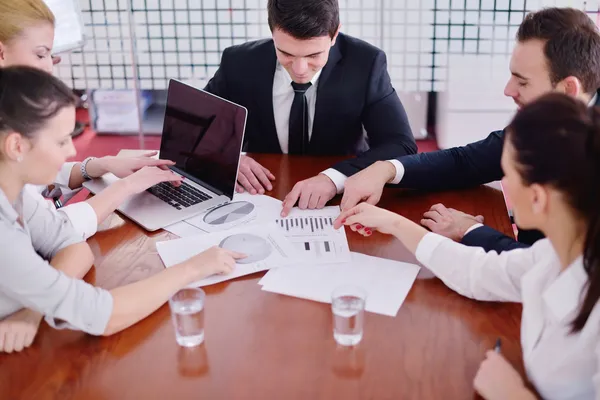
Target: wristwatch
{"points": [[84, 168]]}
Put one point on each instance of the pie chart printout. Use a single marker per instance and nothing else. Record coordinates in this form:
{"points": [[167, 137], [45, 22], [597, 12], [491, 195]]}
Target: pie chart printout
{"points": [[229, 213], [254, 247]]}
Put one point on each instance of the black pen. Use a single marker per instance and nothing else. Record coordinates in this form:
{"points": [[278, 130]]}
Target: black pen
{"points": [[498, 345]]}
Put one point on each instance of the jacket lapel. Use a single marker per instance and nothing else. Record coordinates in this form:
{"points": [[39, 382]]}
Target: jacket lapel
{"points": [[264, 96]]}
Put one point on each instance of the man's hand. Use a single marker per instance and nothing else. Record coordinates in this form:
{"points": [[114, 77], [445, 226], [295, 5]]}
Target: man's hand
{"points": [[122, 167], [311, 193], [18, 330], [449, 222], [367, 185], [253, 177]]}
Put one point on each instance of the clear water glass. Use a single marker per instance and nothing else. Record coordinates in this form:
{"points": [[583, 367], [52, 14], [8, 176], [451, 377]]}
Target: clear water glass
{"points": [[348, 307], [187, 312]]}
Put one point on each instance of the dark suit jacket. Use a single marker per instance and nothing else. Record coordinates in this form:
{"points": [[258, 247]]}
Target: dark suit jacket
{"points": [[354, 89], [467, 166]]}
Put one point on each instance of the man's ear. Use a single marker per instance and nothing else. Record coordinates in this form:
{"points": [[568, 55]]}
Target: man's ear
{"points": [[571, 86], [336, 35]]}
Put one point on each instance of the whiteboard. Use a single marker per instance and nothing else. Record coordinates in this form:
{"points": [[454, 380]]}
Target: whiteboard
{"points": [[68, 31]]}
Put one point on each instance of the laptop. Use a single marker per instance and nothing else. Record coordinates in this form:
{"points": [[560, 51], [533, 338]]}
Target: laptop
{"points": [[203, 135]]}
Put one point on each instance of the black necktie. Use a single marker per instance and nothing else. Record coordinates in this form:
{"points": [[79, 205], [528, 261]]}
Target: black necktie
{"points": [[298, 135]]}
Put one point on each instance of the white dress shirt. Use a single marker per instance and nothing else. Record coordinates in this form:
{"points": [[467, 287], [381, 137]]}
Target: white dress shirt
{"points": [[81, 216], [560, 364], [283, 97]]}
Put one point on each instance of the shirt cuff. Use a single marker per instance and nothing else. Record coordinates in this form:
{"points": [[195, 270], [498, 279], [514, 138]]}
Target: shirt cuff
{"points": [[62, 181], [83, 218], [427, 246], [471, 229], [399, 171], [337, 178]]}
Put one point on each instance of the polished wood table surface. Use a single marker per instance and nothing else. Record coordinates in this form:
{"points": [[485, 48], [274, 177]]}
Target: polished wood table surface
{"points": [[261, 345]]}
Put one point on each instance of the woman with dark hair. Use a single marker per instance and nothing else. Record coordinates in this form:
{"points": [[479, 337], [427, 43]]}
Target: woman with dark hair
{"points": [[43, 259], [551, 162]]}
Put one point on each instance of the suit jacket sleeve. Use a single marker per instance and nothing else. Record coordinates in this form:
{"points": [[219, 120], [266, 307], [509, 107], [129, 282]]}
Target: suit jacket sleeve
{"points": [[384, 119], [459, 167], [491, 240]]}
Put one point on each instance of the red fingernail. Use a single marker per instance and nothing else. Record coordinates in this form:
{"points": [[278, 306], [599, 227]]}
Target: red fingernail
{"points": [[359, 226], [368, 231]]}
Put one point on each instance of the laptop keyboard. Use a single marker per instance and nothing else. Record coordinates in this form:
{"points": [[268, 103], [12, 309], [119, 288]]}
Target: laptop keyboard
{"points": [[180, 197]]}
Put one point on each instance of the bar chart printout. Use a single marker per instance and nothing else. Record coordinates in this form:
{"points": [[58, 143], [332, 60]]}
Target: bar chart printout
{"points": [[314, 235]]}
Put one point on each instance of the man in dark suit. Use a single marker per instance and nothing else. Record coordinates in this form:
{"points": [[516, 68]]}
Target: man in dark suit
{"points": [[558, 49], [312, 90]]}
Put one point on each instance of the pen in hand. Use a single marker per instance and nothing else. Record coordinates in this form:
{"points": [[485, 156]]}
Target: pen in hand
{"points": [[498, 346]]}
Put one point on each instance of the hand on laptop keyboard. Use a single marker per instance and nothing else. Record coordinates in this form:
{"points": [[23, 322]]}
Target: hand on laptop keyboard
{"points": [[180, 197], [148, 177]]}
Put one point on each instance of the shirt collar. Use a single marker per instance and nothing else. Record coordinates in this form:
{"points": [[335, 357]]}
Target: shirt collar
{"points": [[563, 297], [286, 79], [7, 210], [592, 102]]}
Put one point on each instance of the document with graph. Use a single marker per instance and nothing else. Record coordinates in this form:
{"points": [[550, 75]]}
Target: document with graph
{"points": [[313, 235]]}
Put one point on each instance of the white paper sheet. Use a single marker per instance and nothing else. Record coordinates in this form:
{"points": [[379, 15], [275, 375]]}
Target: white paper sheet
{"points": [[266, 209], [312, 233], [282, 253], [386, 282]]}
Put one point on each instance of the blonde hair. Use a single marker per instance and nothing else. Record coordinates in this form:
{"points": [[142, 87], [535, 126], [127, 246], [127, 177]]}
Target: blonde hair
{"points": [[15, 15]]}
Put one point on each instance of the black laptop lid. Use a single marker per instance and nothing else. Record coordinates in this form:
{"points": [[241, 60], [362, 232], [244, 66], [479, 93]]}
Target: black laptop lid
{"points": [[203, 134]]}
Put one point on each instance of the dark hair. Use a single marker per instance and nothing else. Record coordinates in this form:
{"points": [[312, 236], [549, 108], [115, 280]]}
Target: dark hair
{"points": [[29, 97], [572, 44], [557, 143], [305, 19]]}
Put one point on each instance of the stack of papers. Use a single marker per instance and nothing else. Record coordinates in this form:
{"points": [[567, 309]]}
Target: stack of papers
{"points": [[386, 282], [305, 256]]}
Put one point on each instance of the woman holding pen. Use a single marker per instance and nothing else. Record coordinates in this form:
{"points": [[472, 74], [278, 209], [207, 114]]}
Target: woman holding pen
{"points": [[551, 162]]}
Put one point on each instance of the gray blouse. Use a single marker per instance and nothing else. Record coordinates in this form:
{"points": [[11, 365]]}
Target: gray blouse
{"points": [[31, 235]]}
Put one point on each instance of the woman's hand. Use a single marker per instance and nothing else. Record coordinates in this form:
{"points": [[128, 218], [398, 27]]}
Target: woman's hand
{"points": [[18, 330], [148, 177], [497, 379], [214, 261], [364, 218], [124, 166]]}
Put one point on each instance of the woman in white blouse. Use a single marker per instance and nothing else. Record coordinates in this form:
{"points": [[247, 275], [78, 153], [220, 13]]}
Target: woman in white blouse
{"points": [[42, 256], [26, 38], [551, 162]]}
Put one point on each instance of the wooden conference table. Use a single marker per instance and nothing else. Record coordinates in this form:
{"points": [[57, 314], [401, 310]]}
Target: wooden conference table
{"points": [[261, 345]]}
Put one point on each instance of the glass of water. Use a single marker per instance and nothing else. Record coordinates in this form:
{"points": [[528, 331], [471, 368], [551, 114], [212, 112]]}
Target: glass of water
{"points": [[187, 312], [348, 307]]}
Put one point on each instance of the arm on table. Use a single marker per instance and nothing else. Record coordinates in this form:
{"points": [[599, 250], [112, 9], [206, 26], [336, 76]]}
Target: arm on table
{"points": [[467, 270], [458, 167], [491, 240]]}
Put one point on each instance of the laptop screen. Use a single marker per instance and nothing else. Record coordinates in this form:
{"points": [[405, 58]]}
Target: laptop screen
{"points": [[203, 135]]}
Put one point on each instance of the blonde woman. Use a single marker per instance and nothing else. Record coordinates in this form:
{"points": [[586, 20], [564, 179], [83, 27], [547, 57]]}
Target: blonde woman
{"points": [[26, 38]]}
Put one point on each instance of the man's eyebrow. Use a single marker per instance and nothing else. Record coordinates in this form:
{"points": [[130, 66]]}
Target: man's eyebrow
{"points": [[291, 55], [515, 74]]}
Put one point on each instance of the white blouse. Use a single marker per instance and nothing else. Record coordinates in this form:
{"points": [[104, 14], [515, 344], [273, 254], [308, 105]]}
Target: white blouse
{"points": [[561, 364]]}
